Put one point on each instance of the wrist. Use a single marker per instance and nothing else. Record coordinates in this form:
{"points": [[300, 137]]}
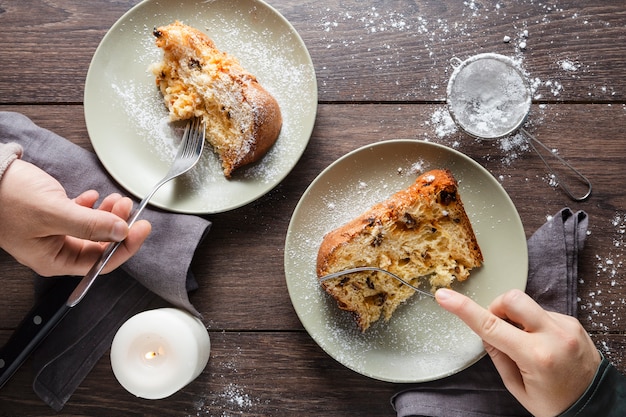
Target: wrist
{"points": [[9, 152], [584, 400]]}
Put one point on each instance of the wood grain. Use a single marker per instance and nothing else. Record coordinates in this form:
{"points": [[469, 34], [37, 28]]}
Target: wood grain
{"points": [[382, 69]]}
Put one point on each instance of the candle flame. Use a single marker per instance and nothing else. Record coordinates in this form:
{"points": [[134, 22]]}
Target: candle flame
{"points": [[153, 353]]}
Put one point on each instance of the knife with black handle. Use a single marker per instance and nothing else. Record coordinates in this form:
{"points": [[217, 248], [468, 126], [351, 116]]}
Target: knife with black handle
{"points": [[44, 317], [35, 326]]}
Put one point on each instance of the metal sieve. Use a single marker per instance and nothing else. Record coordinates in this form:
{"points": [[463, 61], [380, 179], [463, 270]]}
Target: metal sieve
{"points": [[489, 98]]}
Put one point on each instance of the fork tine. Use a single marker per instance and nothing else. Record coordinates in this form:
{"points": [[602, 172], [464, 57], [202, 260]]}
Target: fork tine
{"points": [[376, 269], [190, 137], [182, 148], [187, 156], [194, 137], [200, 132]]}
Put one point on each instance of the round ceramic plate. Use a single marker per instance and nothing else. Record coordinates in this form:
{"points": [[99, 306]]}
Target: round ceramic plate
{"points": [[128, 122], [421, 342]]}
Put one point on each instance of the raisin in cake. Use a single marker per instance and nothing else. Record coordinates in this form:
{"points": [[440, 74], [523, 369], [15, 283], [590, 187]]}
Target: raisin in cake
{"points": [[196, 79], [421, 230]]}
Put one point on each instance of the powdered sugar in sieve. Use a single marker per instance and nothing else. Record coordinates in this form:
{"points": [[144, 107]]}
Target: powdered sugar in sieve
{"points": [[489, 98]]}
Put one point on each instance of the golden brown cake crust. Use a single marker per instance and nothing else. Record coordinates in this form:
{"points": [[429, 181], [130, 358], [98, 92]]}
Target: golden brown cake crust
{"points": [[421, 230], [197, 80]]}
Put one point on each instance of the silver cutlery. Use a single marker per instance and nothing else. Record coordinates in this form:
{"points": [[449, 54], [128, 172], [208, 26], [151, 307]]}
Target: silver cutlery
{"points": [[189, 152], [20, 346], [375, 269]]}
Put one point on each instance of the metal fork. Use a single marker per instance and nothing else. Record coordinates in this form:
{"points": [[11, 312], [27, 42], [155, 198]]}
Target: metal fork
{"points": [[188, 154], [13, 356], [373, 268]]}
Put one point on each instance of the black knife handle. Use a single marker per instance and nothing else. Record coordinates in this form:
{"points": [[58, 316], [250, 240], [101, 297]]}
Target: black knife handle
{"points": [[37, 324]]}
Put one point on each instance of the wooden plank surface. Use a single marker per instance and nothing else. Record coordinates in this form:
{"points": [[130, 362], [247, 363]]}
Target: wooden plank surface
{"points": [[382, 69]]}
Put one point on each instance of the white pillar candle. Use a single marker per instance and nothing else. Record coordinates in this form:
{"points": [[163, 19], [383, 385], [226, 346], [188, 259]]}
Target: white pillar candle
{"points": [[158, 352]]}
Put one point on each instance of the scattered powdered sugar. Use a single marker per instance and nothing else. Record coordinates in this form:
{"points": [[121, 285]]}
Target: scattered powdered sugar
{"points": [[373, 23], [512, 146], [443, 123], [420, 339], [610, 266], [232, 401], [272, 52], [372, 19], [601, 307], [432, 39], [429, 178], [446, 129], [568, 65], [146, 111], [619, 223], [417, 167], [433, 33], [236, 396], [233, 398]]}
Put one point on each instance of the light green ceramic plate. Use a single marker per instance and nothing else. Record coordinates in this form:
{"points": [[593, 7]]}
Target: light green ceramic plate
{"points": [[421, 342], [127, 120]]}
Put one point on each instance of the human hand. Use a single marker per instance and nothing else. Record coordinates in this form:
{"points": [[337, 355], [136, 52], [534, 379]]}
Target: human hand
{"points": [[546, 360], [45, 230]]}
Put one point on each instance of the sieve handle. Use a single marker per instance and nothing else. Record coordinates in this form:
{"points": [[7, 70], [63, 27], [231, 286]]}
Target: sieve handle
{"points": [[562, 184], [455, 62]]}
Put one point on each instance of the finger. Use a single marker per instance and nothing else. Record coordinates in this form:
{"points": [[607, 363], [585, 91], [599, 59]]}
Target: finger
{"points": [[86, 223], [508, 370], [77, 256], [87, 199], [122, 207], [489, 327], [137, 235], [109, 202], [518, 307]]}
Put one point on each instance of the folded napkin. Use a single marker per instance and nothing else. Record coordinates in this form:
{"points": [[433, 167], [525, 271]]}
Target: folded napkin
{"points": [[161, 267], [552, 281]]}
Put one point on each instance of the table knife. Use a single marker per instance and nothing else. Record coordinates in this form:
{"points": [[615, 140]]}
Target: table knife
{"points": [[33, 328]]}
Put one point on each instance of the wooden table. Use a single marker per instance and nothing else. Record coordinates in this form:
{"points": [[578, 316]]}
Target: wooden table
{"points": [[382, 70]]}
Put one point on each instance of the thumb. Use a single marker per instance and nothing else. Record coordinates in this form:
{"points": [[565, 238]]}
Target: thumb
{"points": [[87, 223]]}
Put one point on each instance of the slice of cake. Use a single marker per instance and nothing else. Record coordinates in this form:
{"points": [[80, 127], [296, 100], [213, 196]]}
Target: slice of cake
{"points": [[419, 231], [196, 79]]}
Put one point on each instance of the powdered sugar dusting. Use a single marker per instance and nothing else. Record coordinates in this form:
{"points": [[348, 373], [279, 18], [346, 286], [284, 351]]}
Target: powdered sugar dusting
{"points": [[233, 398], [568, 65], [488, 96], [417, 330], [601, 306], [443, 123], [436, 40], [278, 73], [420, 340], [267, 48], [232, 401], [512, 146]]}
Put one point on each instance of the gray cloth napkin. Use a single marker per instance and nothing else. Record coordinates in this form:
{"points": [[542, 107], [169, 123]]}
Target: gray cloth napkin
{"points": [[552, 281], [161, 267]]}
